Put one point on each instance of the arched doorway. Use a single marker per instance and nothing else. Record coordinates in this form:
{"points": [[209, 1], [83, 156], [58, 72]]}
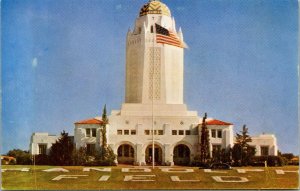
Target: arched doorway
{"points": [[125, 154], [157, 155], [181, 155]]}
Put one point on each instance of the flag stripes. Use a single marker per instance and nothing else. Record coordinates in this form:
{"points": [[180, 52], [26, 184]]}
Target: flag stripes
{"points": [[165, 36]]}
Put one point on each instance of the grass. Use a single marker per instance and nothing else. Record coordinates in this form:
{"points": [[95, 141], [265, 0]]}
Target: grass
{"points": [[37, 179]]}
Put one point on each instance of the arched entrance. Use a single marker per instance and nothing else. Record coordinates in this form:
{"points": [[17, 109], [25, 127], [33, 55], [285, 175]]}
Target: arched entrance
{"points": [[157, 155], [125, 154], [181, 155]]}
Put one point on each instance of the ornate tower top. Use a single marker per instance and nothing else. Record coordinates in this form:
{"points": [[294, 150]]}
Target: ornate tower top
{"points": [[155, 7]]}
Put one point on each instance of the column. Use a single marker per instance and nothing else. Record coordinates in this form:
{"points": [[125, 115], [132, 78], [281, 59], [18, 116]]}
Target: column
{"points": [[210, 150], [140, 155], [168, 155]]}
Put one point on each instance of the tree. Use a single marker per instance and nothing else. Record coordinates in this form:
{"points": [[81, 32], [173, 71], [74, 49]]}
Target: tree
{"points": [[106, 155], [61, 150], [242, 151], [288, 156], [204, 145], [22, 157], [226, 155], [103, 127], [79, 156]]}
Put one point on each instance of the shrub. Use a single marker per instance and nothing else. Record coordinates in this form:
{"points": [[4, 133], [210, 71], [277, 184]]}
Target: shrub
{"points": [[271, 161], [197, 162], [41, 159], [6, 161], [22, 157], [79, 156], [105, 157]]}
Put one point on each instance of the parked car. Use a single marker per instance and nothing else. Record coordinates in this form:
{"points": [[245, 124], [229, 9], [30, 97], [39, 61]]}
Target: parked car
{"points": [[223, 166]]}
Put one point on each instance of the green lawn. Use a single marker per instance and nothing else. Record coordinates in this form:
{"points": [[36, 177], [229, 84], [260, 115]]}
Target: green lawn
{"points": [[37, 179]]}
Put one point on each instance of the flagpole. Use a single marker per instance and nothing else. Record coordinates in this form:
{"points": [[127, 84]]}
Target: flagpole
{"points": [[153, 153]]}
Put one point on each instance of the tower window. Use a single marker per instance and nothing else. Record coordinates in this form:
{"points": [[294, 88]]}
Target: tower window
{"points": [[187, 132], [151, 29], [147, 132], [119, 132], [174, 132]]}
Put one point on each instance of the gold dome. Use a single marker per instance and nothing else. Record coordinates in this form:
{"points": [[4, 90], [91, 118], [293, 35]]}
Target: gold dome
{"points": [[155, 7]]}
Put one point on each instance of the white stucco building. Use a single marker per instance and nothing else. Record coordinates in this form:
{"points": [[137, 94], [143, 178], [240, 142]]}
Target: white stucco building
{"points": [[154, 112], [40, 143], [265, 144]]}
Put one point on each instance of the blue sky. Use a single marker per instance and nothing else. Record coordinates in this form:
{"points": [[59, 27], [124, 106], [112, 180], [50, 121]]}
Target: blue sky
{"points": [[62, 60]]}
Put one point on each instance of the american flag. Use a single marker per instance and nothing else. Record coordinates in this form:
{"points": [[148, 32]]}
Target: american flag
{"points": [[165, 36]]}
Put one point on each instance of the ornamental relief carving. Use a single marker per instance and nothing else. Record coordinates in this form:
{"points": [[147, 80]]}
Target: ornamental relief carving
{"points": [[154, 59]]}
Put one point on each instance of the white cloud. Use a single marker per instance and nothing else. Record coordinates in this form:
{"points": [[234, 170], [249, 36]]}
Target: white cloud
{"points": [[34, 62], [180, 8], [118, 7]]}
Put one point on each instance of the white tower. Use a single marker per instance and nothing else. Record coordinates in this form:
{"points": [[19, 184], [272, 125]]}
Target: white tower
{"points": [[154, 71], [154, 66]]}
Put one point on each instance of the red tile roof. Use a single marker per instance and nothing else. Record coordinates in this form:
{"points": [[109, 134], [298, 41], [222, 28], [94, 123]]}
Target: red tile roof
{"points": [[217, 122], [89, 121]]}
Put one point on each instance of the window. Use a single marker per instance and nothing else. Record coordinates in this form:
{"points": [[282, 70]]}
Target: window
{"points": [[181, 151], [187, 132], [120, 151], [155, 132], [42, 149], [131, 153], [147, 132], [119, 132], [213, 133], [181, 132], [174, 132], [126, 132], [160, 132], [152, 29], [264, 150], [88, 132], [90, 149], [216, 151], [125, 151], [133, 132], [93, 132], [219, 133]]}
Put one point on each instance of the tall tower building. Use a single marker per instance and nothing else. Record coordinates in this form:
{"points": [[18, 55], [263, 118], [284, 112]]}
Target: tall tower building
{"points": [[154, 63], [154, 69]]}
